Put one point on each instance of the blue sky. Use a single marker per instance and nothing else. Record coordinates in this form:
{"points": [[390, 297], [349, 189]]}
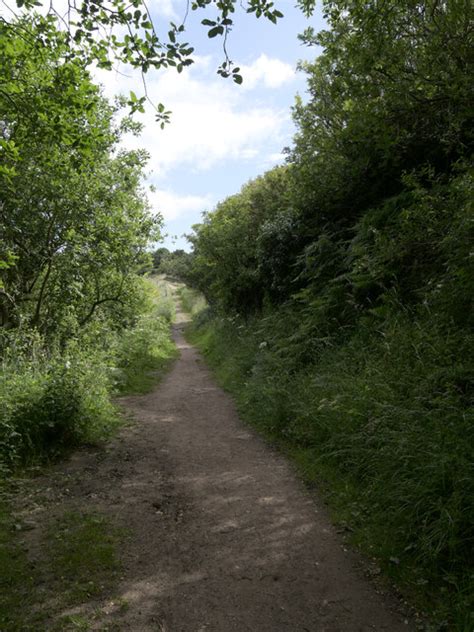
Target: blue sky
{"points": [[221, 134]]}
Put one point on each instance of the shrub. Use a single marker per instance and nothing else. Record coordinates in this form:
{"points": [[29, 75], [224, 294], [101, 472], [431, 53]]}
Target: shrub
{"points": [[50, 400], [55, 394]]}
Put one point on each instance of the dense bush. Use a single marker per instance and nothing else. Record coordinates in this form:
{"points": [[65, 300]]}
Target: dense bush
{"points": [[51, 399]]}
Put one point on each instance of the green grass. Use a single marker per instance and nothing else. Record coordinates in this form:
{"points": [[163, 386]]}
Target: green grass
{"points": [[79, 560], [17, 577], [83, 555], [145, 354], [381, 423]]}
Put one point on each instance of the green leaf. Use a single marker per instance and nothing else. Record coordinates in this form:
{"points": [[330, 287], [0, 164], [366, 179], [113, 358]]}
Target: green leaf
{"points": [[217, 30]]}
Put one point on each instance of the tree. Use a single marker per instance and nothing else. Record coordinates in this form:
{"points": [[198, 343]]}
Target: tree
{"points": [[383, 101], [74, 221], [175, 264], [239, 259], [108, 32], [382, 104]]}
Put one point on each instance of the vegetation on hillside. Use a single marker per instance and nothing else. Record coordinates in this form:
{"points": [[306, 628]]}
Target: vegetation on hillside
{"points": [[341, 285]]}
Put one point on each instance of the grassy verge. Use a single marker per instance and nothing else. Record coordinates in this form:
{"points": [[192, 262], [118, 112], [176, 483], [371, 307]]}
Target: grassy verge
{"points": [[381, 423], [192, 301], [144, 354], [78, 560]]}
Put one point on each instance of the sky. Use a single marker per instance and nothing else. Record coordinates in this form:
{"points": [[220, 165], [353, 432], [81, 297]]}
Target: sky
{"points": [[221, 134]]}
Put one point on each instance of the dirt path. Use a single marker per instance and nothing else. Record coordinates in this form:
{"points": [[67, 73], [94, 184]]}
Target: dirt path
{"points": [[223, 536]]}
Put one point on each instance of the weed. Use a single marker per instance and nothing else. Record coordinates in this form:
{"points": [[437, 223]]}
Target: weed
{"points": [[55, 397], [192, 301]]}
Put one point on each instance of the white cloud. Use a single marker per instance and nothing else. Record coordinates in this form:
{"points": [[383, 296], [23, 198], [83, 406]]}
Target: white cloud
{"points": [[164, 8], [172, 205], [212, 120], [268, 72], [277, 158]]}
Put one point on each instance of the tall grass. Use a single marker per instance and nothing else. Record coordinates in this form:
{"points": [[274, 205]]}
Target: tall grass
{"points": [[383, 421], [51, 398], [143, 352]]}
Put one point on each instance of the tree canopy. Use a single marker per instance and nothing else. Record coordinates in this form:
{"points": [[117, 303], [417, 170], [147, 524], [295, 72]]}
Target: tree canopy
{"points": [[112, 32], [387, 116], [74, 219]]}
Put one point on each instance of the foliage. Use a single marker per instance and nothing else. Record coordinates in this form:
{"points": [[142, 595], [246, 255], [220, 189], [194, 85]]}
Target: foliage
{"points": [[79, 252], [175, 264], [143, 352], [112, 32], [385, 117], [192, 302], [241, 250], [53, 397], [382, 102], [74, 230], [341, 290]]}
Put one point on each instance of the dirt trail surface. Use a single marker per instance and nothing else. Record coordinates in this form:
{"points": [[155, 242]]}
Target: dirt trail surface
{"points": [[223, 536]]}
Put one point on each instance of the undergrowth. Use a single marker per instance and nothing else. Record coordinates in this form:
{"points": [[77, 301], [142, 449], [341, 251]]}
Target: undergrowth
{"points": [[192, 301], [55, 395], [380, 420], [143, 354]]}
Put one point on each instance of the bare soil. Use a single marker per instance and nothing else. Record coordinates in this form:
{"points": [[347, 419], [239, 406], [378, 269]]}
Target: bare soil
{"points": [[223, 536]]}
